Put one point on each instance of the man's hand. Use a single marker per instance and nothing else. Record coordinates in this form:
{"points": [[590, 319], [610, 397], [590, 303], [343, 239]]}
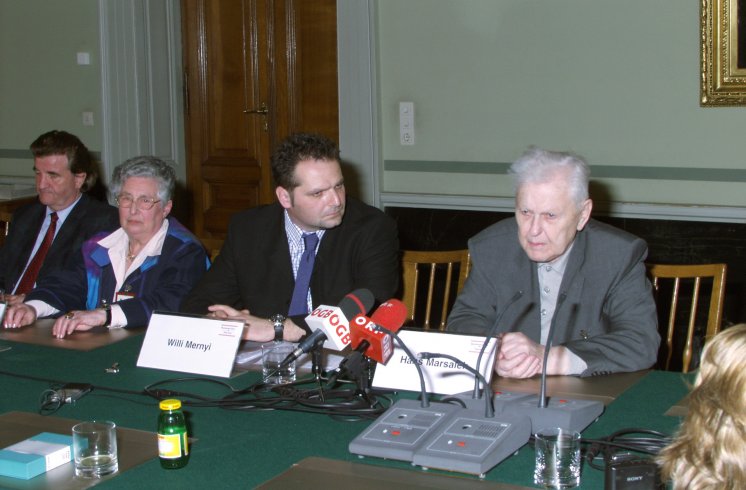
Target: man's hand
{"points": [[19, 315], [78, 320], [521, 357], [14, 299], [257, 329]]}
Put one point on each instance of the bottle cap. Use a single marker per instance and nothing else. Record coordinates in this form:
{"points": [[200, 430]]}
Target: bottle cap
{"points": [[170, 404]]}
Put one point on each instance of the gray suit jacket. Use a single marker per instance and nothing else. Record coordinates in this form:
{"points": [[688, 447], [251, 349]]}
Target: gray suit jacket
{"points": [[608, 316]]}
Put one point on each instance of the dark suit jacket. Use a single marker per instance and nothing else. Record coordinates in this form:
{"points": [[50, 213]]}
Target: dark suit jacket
{"points": [[88, 217], [608, 317], [160, 283], [254, 271]]}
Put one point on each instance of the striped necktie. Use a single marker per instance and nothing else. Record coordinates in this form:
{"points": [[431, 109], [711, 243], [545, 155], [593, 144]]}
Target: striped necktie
{"points": [[29, 277]]}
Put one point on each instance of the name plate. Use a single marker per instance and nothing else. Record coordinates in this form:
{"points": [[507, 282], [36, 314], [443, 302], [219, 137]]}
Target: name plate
{"points": [[190, 344], [442, 376]]}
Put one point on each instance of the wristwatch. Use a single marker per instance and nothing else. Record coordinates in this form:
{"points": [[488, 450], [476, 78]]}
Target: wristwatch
{"points": [[277, 322], [107, 308]]}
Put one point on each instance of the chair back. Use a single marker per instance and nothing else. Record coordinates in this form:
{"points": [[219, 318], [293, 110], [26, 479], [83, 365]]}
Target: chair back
{"points": [[685, 277], [212, 247], [430, 272]]}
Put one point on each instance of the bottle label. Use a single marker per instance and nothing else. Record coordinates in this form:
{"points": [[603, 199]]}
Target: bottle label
{"points": [[170, 445]]}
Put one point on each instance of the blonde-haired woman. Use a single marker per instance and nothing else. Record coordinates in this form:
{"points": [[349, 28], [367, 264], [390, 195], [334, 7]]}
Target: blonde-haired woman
{"points": [[709, 450]]}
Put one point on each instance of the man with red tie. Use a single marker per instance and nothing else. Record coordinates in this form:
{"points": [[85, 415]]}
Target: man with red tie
{"points": [[44, 235]]}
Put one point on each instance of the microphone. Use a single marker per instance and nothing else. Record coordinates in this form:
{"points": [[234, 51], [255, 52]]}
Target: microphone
{"points": [[373, 343], [331, 325], [571, 414], [490, 334], [367, 340], [489, 410], [443, 435]]}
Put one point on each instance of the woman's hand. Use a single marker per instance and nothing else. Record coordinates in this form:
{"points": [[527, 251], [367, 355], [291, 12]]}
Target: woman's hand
{"points": [[78, 320]]}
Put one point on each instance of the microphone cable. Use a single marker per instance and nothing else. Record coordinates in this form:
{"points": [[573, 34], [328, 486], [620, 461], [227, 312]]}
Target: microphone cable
{"points": [[425, 401], [609, 447], [52, 398], [489, 409], [348, 403], [290, 396]]}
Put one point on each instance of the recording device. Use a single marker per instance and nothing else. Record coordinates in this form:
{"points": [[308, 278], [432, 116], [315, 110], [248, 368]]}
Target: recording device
{"points": [[632, 473], [68, 393], [331, 324], [71, 392]]}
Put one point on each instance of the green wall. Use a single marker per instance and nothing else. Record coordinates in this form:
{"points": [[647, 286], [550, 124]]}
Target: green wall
{"points": [[616, 81], [41, 85]]}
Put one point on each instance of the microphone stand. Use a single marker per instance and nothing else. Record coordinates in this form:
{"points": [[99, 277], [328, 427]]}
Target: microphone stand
{"points": [[550, 339], [490, 334], [317, 365]]}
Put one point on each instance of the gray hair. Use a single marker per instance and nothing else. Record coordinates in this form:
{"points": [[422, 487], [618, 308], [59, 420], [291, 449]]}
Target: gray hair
{"points": [[149, 167], [539, 166]]}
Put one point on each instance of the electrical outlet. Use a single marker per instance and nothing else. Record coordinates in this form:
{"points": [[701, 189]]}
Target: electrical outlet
{"points": [[406, 123]]}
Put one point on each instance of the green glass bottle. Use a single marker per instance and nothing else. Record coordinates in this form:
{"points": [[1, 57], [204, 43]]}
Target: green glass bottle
{"points": [[173, 446]]}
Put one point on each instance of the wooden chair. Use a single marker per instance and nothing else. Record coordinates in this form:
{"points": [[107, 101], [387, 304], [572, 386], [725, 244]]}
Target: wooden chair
{"points": [[5, 217], [695, 273], [414, 262], [212, 246]]}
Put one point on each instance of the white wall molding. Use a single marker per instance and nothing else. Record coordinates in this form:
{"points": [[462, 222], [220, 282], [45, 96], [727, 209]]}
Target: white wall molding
{"points": [[722, 214]]}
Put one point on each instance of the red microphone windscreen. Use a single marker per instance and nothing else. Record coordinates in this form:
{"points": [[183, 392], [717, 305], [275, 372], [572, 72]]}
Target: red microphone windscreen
{"points": [[391, 315]]}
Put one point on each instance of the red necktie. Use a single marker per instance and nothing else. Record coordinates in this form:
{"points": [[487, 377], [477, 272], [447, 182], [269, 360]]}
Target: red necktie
{"points": [[29, 277]]}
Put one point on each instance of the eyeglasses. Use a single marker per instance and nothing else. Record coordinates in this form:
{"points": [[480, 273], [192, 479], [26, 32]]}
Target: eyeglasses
{"points": [[142, 202]]}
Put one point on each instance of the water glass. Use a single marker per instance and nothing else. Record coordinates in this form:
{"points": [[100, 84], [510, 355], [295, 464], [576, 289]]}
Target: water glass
{"points": [[557, 458], [95, 449], [273, 354]]}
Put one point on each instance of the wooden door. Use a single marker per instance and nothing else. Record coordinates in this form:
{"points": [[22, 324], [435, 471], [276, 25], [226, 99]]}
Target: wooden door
{"points": [[255, 71]]}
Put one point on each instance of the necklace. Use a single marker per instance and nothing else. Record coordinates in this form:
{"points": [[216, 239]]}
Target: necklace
{"points": [[130, 256]]}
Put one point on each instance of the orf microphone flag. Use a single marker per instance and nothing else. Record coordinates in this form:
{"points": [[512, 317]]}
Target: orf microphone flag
{"points": [[370, 341]]}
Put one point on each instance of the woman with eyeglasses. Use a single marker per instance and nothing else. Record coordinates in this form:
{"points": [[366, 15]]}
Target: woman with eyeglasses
{"points": [[120, 278]]}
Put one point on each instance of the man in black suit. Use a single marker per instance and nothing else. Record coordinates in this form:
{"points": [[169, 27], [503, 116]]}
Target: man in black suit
{"points": [[254, 277], [64, 172]]}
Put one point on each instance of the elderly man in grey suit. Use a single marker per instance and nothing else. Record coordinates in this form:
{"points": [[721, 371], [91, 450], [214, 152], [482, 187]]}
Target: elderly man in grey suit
{"points": [[553, 264]]}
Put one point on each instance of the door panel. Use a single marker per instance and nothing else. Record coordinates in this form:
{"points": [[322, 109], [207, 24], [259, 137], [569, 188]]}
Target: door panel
{"points": [[255, 71]]}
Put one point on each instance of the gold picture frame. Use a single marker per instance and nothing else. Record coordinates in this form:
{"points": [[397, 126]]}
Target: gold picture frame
{"points": [[723, 80]]}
